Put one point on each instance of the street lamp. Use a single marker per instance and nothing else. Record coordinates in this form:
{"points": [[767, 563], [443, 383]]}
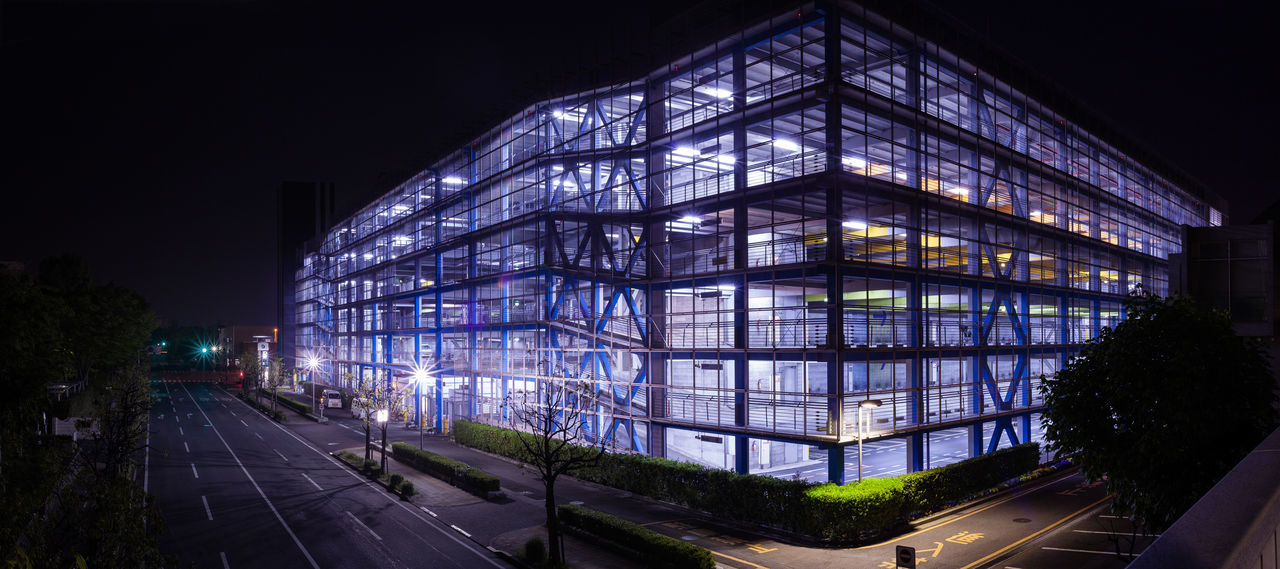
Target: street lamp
{"points": [[312, 364], [419, 375], [382, 422], [863, 428]]}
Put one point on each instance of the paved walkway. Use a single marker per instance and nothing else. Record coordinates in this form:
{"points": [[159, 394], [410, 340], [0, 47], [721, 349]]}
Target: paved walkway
{"points": [[505, 524]]}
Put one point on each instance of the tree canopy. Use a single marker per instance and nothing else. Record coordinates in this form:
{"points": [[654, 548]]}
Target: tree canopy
{"points": [[1162, 406]]}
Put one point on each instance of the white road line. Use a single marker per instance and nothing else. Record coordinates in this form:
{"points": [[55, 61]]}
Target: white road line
{"points": [[1116, 533], [175, 418], [233, 413], [296, 542], [180, 432], [244, 423], [1079, 550], [286, 459], [386, 495], [206, 507], [224, 405], [193, 470], [223, 555], [313, 482], [184, 445], [260, 437], [433, 514], [1112, 517], [459, 530], [371, 532]]}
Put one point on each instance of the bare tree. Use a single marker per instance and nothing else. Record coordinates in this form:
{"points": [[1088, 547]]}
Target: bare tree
{"points": [[556, 442]]}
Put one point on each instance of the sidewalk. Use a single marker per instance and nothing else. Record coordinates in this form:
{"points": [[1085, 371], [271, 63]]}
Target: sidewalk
{"points": [[434, 495], [504, 524]]}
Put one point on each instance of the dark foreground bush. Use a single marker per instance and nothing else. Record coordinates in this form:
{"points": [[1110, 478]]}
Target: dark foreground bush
{"points": [[654, 549]]}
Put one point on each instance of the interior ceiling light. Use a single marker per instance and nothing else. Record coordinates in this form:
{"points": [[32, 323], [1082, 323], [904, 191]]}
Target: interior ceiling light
{"points": [[715, 92], [452, 180], [786, 144], [853, 162], [690, 219], [855, 224], [686, 151], [958, 190]]}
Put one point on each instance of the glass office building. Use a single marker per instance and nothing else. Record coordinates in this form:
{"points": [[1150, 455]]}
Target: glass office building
{"points": [[739, 249]]}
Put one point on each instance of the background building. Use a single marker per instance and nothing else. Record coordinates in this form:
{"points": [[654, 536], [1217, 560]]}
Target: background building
{"points": [[737, 250], [1233, 268], [303, 211]]}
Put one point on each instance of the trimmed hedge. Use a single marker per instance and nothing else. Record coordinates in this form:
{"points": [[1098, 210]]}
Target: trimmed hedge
{"points": [[454, 472], [654, 549], [268, 411], [937, 487], [298, 407], [837, 514]]}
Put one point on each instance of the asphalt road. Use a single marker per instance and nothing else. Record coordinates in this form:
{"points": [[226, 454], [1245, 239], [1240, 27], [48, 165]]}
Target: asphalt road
{"points": [[238, 490], [301, 509]]}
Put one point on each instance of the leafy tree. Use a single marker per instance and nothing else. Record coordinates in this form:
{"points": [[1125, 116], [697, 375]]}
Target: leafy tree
{"points": [[104, 326], [73, 504], [559, 445], [1161, 406]]}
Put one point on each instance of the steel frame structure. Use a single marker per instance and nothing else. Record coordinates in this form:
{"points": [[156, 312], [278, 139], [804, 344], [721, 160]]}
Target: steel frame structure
{"points": [[821, 209]]}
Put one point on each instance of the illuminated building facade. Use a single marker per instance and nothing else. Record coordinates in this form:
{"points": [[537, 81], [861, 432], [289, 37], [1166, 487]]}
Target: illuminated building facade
{"points": [[738, 249]]}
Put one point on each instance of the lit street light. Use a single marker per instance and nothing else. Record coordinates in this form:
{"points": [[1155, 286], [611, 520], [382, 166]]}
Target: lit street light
{"points": [[382, 416], [863, 428], [420, 375], [312, 364]]}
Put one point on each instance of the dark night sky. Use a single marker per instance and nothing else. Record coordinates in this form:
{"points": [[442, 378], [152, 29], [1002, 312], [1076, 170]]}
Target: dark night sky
{"points": [[149, 137]]}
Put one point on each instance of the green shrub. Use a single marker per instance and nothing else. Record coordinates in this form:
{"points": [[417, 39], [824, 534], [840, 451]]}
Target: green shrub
{"points": [[535, 550], [454, 472], [370, 464], [854, 511], [655, 549], [937, 487], [407, 490], [277, 415], [300, 408], [838, 514], [395, 481]]}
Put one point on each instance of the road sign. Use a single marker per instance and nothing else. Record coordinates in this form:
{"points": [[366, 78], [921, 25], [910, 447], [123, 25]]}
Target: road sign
{"points": [[906, 557]]}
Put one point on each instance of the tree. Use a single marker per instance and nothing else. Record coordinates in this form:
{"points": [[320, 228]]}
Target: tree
{"points": [[557, 442], [1161, 406], [253, 372], [371, 396], [104, 326]]}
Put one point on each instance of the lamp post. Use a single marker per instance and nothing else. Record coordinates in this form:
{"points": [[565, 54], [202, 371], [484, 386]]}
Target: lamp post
{"points": [[419, 375], [863, 428], [382, 422], [312, 364]]}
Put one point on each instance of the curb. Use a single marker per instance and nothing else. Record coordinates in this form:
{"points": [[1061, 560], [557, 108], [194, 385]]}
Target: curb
{"points": [[1047, 478]]}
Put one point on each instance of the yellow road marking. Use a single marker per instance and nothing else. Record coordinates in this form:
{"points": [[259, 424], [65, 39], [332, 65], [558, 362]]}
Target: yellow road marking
{"points": [[732, 558], [1036, 534], [898, 539]]}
